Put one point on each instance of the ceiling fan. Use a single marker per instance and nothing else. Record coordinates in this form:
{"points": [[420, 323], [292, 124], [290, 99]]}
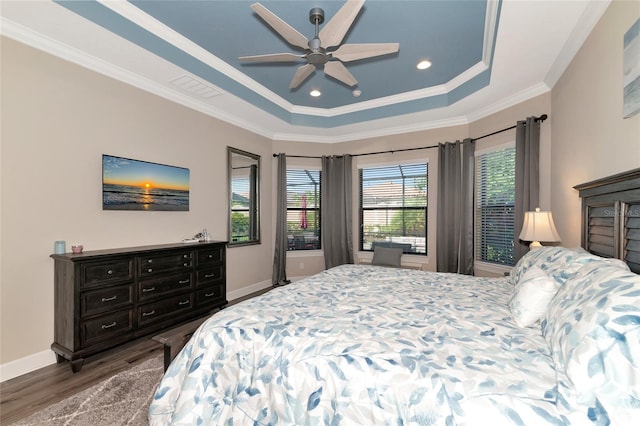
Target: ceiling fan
{"points": [[317, 49]]}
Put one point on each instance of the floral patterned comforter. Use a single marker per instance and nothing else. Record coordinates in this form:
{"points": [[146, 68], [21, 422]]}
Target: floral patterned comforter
{"points": [[365, 345]]}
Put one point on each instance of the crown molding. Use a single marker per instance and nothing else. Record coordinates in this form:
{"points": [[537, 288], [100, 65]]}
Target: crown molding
{"points": [[579, 34], [53, 47], [142, 19], [510, 101], [78, 57]]}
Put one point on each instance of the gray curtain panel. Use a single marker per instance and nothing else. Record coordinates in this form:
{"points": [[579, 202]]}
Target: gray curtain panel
{"points": [[336, 210], [454, 234], [527, 178], [279, 276]]}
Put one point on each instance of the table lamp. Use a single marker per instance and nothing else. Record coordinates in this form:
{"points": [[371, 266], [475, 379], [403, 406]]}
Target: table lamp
{"points": [[538, 226]]}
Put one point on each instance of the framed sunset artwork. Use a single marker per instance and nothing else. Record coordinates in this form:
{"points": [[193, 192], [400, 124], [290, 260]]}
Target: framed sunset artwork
{"points": [[129, 184]]}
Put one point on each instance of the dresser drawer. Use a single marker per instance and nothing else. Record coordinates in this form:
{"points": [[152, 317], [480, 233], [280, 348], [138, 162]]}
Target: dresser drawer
{"points": [[156, 311], [212, 256], [155, 264], [209, 275], [108, 272], [107, 326], [210, 295], [153, 288], [106, 299]]}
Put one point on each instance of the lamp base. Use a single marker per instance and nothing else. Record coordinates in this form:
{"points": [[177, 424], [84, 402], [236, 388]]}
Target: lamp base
{"points": [[534, 245]]}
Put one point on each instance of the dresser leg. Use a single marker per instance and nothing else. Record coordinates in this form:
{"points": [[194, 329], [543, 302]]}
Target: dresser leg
{"points": [[60, 359], [76, 364]]}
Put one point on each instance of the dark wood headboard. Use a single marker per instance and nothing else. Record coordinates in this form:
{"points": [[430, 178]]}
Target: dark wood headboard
{"points": [[611, 217]]}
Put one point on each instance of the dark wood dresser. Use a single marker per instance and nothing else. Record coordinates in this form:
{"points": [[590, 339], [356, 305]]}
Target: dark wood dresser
{"points": [[105, 298]]}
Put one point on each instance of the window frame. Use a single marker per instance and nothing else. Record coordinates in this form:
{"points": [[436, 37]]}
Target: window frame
{"points": [[425, 208], [318, 211]]}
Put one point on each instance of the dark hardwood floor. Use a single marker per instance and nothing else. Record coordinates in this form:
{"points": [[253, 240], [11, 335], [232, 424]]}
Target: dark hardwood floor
{"points": [[26, 394]]}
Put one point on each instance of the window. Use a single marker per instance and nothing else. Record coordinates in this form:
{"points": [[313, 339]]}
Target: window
{"points": [[393, 207], [244, 197], [303, 209], [495, 206]]}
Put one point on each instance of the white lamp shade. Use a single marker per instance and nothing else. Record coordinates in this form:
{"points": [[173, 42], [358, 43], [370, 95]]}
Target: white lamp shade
{"points": [[539, 226]]}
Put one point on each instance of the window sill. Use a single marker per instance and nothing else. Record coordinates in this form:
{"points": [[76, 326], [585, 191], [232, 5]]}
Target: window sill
{"points": [[409, 261], [304, 253], [492, 268]]}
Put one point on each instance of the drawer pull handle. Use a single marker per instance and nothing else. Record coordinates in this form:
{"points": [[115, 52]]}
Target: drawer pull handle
{"points": [[150, 261], [209, 294], [150, 270], [210, 256], [109, 299], [110, 272], [184, 302], [185, 256], [186, 265], [184, 281], [209, 275], [105, 326], [146, 290], [146, 314]]}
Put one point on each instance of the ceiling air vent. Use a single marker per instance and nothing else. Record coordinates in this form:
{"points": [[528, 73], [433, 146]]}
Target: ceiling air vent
{"points": [[195, 87]]}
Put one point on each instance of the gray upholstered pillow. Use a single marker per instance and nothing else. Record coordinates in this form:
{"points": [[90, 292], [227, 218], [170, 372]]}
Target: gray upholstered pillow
{"points": [[386, 256]]}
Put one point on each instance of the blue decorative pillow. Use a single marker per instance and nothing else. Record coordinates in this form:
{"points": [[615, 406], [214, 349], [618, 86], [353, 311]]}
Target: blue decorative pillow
{"points": [[386, 256], [593, 330]]}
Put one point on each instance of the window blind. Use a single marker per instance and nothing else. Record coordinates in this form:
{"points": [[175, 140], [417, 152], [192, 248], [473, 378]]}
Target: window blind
{"points": [[495, 206], [393, 207]]}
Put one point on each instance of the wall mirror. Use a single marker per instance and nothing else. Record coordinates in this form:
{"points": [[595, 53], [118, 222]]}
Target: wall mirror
{"points": [[244, 197]]}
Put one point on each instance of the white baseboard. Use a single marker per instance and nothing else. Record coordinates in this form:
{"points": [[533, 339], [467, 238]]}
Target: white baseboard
{"points": [[294, 279], [26, 365], [38, 360], [245, 291]]}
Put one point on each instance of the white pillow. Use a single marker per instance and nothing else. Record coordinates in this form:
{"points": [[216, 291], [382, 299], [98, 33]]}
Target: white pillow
{"points": [[532, 296]]}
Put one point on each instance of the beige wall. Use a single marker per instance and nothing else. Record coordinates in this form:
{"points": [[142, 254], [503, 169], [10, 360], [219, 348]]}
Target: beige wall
{"points": [[57, 121], [590, 137]]}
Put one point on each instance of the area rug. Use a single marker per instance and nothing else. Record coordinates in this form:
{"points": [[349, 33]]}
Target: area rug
{"points": [[123, 399]]}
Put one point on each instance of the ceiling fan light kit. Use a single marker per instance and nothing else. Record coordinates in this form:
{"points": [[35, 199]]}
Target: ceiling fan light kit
{"points": [[423, 64], [316, 50]]}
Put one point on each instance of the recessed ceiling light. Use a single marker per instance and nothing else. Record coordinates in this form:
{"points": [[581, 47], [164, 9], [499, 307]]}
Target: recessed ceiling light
{"points": [[356, 93], [315, 93], [423, 65]]}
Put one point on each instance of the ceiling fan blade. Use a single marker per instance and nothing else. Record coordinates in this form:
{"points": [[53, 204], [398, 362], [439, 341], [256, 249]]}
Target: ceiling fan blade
{"points": [[353, 52], [290, 34], [335, 30], [338, 71], [274, 57], [301, 75]]}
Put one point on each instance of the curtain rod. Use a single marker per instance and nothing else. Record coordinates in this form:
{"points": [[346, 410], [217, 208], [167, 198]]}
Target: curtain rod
{"points": [[391, 151]]}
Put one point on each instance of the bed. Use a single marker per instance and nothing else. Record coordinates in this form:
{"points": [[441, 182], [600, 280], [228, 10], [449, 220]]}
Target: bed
{"points": [[376, 345], [555, 343]]}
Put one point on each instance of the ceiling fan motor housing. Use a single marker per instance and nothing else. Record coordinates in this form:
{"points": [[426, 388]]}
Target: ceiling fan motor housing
{"points": [[316, 16]]}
